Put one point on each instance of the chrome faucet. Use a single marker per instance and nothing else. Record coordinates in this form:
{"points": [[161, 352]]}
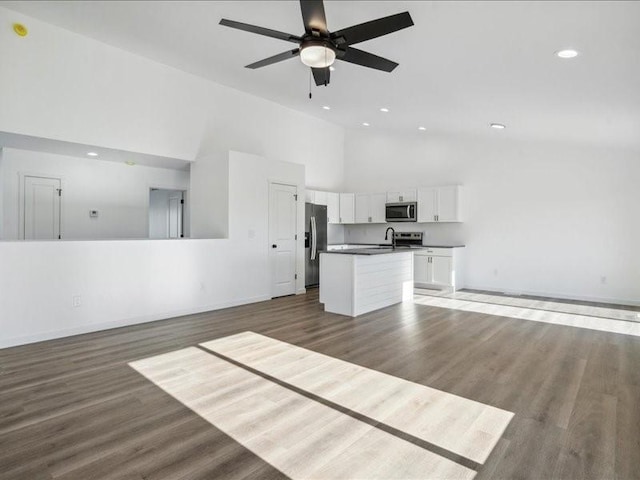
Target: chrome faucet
{"points": [[393, 237]]}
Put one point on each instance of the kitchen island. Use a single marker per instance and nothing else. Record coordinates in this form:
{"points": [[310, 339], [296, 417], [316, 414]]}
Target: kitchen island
{"points": [[357, 281]]}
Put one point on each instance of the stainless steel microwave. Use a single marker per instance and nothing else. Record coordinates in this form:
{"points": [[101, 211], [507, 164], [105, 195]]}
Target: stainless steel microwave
{"points": [[401, 212]]}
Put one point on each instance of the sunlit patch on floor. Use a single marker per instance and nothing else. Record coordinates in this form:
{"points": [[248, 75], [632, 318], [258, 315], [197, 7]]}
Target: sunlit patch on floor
{"points": [[572, 315], [297, 435], [459, 425]]}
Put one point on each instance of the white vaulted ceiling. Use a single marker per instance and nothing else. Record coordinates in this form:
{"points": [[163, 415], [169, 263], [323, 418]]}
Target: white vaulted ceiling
{"points": [[462, 66]]}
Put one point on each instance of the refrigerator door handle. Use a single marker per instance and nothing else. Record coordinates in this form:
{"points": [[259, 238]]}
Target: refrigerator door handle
{"points": [[314, 241]]}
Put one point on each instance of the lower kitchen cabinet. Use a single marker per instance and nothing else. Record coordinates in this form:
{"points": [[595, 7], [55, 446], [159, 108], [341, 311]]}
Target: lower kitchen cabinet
{"points": [[438, 268]]}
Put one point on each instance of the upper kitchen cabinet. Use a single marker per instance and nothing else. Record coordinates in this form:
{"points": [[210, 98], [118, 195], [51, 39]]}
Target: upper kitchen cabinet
{"points": [[439, 204], [370, 207], [401, 196], [316, 197], [333, 207], [347, 208], [310, 196], [321, 198]]}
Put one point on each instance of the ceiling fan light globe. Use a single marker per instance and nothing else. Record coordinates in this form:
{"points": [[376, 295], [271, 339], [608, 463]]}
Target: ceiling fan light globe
{"points": [[317, 56]]}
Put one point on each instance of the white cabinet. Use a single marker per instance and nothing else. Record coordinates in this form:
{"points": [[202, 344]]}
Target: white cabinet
{"points": [[439, 204], [402, 196], [316, 197], [309, 196], [370, 207], [377, 207], [441, 271], [321, 198], [347, 208], [333, 207], [438, 267]]}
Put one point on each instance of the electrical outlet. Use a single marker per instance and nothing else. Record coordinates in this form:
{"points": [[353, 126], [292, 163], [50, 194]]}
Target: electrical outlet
{"points": [[603, 280], [76, 301]]}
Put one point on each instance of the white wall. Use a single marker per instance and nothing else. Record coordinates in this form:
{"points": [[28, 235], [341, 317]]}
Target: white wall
{"points": [[131, 281], [209, 196], [68, 87], [119, 192], [542, 219]]}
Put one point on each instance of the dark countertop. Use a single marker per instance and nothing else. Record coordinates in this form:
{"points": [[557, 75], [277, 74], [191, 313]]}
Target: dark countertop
{"points": [[454, 245], [445, 246], [370, 251]]}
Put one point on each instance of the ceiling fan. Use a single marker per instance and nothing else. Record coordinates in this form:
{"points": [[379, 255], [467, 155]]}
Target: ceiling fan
{"points": [[318, 48]]}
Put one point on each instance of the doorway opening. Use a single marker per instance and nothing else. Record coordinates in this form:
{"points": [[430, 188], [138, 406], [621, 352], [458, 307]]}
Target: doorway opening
{"points": [[166, 213]]}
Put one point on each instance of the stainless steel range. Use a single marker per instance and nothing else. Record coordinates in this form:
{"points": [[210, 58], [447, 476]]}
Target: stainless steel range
{"points": [[408, 239]]}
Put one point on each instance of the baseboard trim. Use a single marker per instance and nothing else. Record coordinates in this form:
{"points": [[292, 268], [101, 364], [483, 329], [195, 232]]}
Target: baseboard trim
{"points": [[559, 296], [125, 322]]}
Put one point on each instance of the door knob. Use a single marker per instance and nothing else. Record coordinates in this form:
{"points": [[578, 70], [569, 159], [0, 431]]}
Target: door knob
{"points": [[274, 246]]}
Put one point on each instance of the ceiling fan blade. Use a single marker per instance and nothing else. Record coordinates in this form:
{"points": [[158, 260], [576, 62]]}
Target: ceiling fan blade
{"points": [[321, 76], [373, 29], [261, 31], [313, 16], [275, 59], [366, 59]]}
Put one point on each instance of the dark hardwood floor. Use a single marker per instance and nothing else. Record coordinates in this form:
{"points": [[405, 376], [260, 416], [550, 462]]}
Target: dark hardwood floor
{"points": [[73, 409]]}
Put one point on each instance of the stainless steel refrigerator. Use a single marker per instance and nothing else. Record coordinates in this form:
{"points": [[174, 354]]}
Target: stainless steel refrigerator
{"points": [[315, 240]]}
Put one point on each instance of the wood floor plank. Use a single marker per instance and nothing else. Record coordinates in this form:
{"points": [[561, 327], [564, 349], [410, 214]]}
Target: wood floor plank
{"points": [[464, 427], [300, 437], [73, 407]]}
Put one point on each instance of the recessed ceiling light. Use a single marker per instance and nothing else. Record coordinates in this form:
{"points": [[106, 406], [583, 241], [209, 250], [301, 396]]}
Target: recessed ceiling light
{"points": [[498, 126], [422, 128], [332, 69], [384, 109], [130, 163], [327, 107], [92, 154], [365, 124], [567, 53]]}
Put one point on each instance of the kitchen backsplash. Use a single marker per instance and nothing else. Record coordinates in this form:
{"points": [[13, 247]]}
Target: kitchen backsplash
{"points": [[445, 233]]}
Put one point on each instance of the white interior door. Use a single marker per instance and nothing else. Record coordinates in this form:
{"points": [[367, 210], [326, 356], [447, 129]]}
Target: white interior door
{"points": [[42, 208], [175, 215], [282, 238]]}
